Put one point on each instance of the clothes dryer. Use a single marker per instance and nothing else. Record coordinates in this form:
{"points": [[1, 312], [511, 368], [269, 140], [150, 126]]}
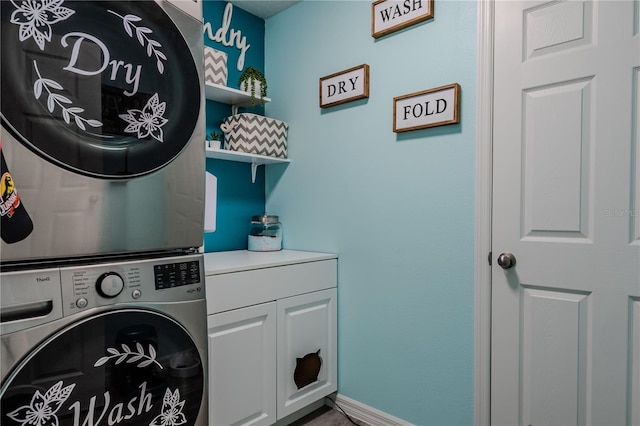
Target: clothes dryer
{"points": [[102, 137], [105, 344]]}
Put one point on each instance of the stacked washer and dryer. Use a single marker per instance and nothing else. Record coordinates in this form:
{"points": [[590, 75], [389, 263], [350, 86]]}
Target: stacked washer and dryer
{"points": [[103, 312]]}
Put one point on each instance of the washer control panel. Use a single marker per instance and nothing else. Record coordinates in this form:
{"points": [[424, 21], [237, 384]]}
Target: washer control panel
{"points": [[167, 279], [176, 274]]}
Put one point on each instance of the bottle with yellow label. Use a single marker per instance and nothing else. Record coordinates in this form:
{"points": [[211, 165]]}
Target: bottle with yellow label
{"points": [[15, 223]]}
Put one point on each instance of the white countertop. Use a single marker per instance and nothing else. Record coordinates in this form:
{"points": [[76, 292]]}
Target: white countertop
{"points": [[224, 262]]}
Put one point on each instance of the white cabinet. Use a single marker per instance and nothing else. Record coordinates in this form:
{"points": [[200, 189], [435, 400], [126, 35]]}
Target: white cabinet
{"points": [[242, 353], [306, 325], [266, 311]]}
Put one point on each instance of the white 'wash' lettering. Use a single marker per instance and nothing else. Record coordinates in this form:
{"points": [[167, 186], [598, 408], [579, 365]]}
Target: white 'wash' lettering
{"points": [[117, 413]]}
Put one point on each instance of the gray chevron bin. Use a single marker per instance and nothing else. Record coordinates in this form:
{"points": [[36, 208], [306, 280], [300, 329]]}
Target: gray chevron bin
{"points": [[215, 66], [255, 134]]}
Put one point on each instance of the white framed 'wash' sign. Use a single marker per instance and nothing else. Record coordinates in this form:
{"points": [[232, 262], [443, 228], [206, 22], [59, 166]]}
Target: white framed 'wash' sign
{"points": [[388, 16], [428, 108]]}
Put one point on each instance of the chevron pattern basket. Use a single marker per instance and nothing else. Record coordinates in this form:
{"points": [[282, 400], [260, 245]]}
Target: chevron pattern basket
{"points": [[255, 134], [215, 66]]}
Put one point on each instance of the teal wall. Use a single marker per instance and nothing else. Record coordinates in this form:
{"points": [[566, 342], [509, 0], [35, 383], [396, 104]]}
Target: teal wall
{"points": [[238, 198], [397, 208]]}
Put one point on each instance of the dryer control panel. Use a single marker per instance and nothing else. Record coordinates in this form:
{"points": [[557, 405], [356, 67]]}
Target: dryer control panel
{"points": [[168, 279]]}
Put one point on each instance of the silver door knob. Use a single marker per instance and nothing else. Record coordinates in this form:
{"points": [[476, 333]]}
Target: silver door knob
{"points": [[506, 260]]}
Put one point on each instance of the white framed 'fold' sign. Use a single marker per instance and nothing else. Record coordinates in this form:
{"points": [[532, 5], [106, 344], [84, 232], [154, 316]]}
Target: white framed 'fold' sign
{"points": [[388, 16], [344, 86], [428, 108]]}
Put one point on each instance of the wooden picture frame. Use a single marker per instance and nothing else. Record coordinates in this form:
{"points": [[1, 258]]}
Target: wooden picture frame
{"points": [[344, 86], [429, 108], [388, 16]]}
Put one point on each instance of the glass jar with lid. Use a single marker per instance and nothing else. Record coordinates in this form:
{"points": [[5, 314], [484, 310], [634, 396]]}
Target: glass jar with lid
{"points": [[265, 233]]}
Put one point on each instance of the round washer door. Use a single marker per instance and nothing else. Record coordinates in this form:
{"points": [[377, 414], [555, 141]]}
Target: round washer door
{"points": [[134, 367], [107, 89]]}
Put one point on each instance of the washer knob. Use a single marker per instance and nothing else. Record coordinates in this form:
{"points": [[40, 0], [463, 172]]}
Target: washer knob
{"points": [[109, 285]]}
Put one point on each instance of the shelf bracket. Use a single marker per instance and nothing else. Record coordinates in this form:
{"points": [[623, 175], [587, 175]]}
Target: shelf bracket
{"points": [[254, 170], [234, 109]]}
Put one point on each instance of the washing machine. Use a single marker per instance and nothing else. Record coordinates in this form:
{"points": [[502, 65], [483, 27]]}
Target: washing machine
{"points": [[120, 342]]}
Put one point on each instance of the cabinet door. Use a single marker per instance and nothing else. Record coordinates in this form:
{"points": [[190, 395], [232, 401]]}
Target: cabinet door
{"points": [[306, 324], [242, 363]]}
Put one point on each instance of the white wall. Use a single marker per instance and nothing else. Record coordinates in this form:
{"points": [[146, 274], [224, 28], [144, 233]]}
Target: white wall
{"points": [[397, 208]]}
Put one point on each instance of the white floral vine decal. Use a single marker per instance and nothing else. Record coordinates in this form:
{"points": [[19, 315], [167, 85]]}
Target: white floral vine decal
{"points": [[42, 409], [141, 34], [171, 414], [36, 16], [132, 356], [147, 121], [57, 99]]}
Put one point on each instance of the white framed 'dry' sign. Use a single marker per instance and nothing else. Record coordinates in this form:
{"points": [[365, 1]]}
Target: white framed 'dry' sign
{"points": [[428, 108], [344, 86]]}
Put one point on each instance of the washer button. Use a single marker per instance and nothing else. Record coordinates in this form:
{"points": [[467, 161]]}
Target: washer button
{"points": [[136, 294], [82, 303]]}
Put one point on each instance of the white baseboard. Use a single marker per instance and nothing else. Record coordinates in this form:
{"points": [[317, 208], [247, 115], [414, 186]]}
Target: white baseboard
{"points": [[367, 414]]}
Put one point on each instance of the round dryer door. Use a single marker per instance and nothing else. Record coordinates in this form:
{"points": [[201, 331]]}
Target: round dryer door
{"points": [[132, 367], [107, 89]]}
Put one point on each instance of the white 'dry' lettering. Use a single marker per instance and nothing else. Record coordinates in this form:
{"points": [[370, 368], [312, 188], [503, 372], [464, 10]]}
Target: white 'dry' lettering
{"points": [[82, 61], [130, 77]]}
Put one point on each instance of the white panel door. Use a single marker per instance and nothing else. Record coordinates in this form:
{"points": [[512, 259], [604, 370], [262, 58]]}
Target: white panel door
{"points": [[565, 345], [242, 366]]}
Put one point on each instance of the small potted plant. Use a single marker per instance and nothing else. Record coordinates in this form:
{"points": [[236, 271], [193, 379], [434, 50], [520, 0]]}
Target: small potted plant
{"points": [[213, 140], [252, 80]]}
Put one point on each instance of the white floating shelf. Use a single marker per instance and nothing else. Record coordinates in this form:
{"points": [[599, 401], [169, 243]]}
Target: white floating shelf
{"points": [[243, 157], [229, 95], [254, 159]]}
